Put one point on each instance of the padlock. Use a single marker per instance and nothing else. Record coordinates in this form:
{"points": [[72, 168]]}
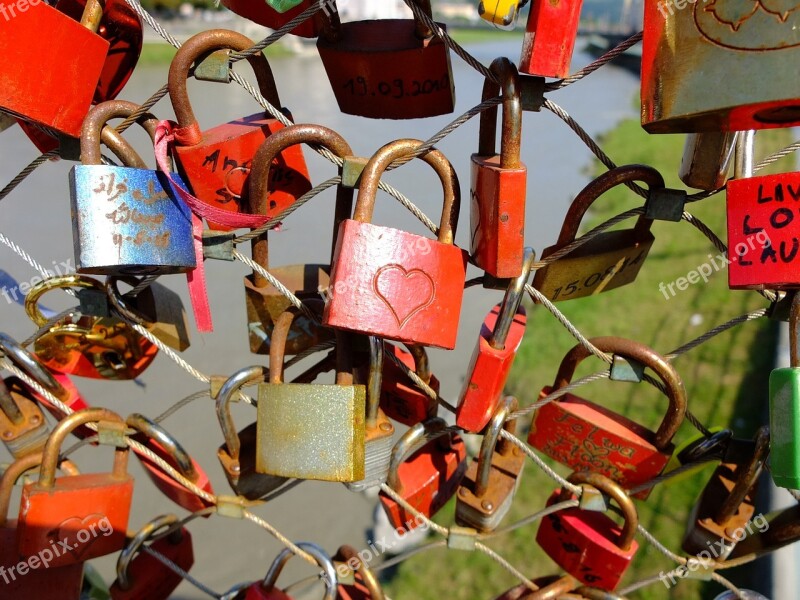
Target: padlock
{"points": [[501, 13], [550, 588], [216, 163], [588, 544], [585, 435], [264, 302], [425, 472], [167, 448], [126, 221], [61, 95], [311, 431], [769, 532], [500, 337], [86, 346], [59, 510], [706, 159], [401, 400], [499, 181], [144, 577], [365, 586], [726, 504], [267, 590], [395, 284], [41, 580], [696, 449], [379, 431], [388, 68], [263, 14], [609, 260], [156, 308], [784, 410], [23, 428], [238, 454], [485, 495], [550, 38], [691, 55]]}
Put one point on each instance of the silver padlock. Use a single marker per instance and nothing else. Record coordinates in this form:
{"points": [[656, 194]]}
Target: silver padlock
{"points": [[706, 159]]}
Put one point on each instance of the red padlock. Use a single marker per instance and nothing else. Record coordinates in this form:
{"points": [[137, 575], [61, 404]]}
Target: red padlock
{"points": [[550, 38], [365, 586], [401, 400], [429, 478], [588, 544], [216, 163], [166, 447], [86, 515], [585, 435], [266, 590], [500, 338], [499, 181], [143, 576], [391, 283], [38, 579], [263, 14]]}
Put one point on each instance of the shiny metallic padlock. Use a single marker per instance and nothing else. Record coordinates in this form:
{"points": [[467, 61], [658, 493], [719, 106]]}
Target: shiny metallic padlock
{"points": [[365, 586], [388, 68], [784, 410], [267, 590], [311, 431], [588, 544], [23, 427], [485, 495], [264, 302], [726, 504], [706, 159], [263, 14], [55, 510], [86, 346], [550, 38], [401, 400], [691, 55], [587, 436], [126, 220], [608, 261], [391, 283], [499, 181], [500, 337], [216, 163]]}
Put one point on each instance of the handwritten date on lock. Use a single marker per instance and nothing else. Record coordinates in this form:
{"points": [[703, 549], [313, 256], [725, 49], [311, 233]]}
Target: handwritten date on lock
{"points": [[397, 88]]}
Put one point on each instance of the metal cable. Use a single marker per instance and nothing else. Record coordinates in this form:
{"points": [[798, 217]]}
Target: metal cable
{"points": [[594, 66]]}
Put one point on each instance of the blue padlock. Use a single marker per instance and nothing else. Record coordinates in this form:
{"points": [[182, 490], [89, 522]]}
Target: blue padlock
{"points": [[126, 220]]}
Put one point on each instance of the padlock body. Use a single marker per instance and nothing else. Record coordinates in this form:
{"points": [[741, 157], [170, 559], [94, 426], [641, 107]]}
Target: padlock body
{"points": [[488, 371], [129, 222], [497, 216], [401, 400], [258, 592], [30, 434], [550, 38], [74, 506], [164, 314], [584, 544], [429, 479], [385, 283], [353, 592], [382, 70], [587, 436], [784, 423], [72, 398], [688, 52], [218, 168], [311, 431], [75, 61], [263, 14], [265, 304], [763, 239], [241, 474], [377, 454], [608, 261]]}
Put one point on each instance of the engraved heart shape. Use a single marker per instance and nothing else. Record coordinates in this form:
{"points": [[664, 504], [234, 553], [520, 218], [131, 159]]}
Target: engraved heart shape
{"points": [[405, 292], [68, 530]]}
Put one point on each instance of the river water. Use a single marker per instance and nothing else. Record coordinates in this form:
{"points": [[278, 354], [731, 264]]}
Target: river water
{"points": [[37, 217]]}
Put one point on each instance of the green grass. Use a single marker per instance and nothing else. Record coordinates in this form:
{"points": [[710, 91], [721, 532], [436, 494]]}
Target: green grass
{"points": [[725, 379], [483, 34], [158, 53]]}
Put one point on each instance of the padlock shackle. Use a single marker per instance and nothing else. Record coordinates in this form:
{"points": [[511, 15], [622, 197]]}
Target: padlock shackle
{"points": [[195, 48], [794, 331], [135, 544], [374, 381], [554, 590], [512, 302], [648, 357], [94, 131], [280, 335], [592, 593], [422, 365], [511, 136], [157, 433], [13, 472], [323, 560], [422, 31], [30, 364], [116, 299], [92, 15], [55, 283], [47, 474], [346, 554], [242, 377], [746, 477], [491, 440], [598, 187], [9, 406], [377, 165], [413, 440], [613, 490]]}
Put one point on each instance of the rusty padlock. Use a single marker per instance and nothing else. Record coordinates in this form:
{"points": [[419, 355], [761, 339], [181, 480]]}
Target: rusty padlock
{"points": [[550, 38], [267, 590], [608, 261], [585, 435], [550, 588], [401, 400], [23, 427], [365, 586], [263, 14], [388, 68], [216, 163], [499, 181]]}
